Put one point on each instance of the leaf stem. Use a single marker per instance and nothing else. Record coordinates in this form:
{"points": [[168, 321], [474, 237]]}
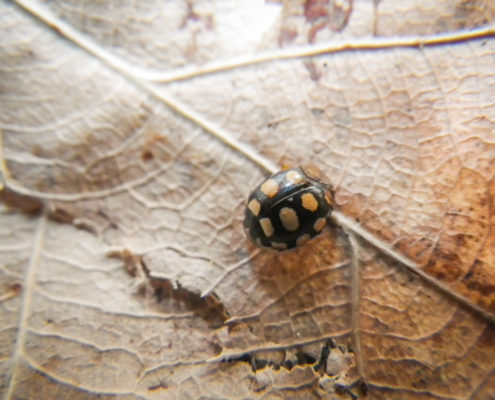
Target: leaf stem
{"points": [[28, 290], [356, 332]]}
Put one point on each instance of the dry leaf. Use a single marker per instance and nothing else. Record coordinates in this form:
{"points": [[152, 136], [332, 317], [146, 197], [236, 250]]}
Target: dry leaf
{"points": [[131, 135]]}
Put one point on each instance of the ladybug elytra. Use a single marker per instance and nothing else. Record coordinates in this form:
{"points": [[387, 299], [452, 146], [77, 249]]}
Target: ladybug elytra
{"points": [[288, 209]]}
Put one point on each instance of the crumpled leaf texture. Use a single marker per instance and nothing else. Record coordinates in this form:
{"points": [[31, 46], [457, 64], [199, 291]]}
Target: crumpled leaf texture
{"points": [[125, 271]]}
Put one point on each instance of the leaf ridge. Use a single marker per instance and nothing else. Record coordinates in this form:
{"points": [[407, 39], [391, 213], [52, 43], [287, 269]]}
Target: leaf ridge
{"points": [[26, 303]]}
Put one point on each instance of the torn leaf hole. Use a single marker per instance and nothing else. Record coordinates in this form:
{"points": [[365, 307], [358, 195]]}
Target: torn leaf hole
{"points": [[257, 361], [161, 385], [171, 298], [356, 390]]}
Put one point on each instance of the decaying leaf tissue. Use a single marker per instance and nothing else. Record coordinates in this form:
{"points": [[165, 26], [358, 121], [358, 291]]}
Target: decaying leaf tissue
{"points": [[131, 138]]}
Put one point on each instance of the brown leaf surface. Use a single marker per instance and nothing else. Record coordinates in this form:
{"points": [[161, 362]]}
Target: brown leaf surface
{"points": [[131, 135]]}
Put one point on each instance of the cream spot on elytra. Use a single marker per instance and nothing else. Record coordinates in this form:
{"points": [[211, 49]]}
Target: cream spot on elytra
{"points": [[289, 219]]}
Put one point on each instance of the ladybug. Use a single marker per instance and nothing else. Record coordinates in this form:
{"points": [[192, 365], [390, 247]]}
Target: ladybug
{"points": [[288, 209]]}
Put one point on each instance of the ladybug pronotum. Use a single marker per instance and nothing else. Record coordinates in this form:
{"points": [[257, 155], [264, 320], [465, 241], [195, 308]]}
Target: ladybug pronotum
{"points": [[288, 209]]}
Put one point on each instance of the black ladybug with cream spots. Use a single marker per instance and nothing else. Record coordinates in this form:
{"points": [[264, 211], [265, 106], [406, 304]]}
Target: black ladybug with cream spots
{"points": [[287, 209]]}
